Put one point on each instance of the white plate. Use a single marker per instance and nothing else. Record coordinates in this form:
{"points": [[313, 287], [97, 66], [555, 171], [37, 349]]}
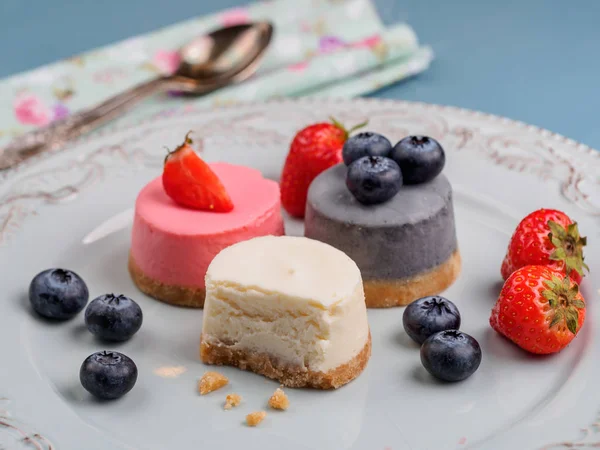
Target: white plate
{"points": [[73, 208]]}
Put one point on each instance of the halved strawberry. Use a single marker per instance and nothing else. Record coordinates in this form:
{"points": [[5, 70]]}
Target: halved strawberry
{"points": [[190, 182]]}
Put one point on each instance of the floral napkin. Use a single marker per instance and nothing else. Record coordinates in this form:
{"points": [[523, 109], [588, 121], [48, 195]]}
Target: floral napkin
{"points": [[336, 48]]}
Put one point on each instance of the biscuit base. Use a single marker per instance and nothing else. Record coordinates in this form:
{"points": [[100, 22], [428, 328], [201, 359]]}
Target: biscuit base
{"points": [[192, 297], [265, 364], [388, 293]]}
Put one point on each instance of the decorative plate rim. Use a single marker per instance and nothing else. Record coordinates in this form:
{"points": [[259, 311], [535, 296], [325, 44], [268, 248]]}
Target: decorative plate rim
{"points": [[187, 111]]}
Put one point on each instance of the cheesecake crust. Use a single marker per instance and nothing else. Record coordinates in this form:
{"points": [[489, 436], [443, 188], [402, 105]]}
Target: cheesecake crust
{"points": [[265, 364], [192, 297], [401, 292]]}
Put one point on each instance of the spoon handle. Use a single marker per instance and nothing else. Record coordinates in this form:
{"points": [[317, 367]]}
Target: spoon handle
{"points": [[60, 131]]}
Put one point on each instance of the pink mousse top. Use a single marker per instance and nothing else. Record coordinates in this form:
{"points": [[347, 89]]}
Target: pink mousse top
{"points": [[174, 245]]}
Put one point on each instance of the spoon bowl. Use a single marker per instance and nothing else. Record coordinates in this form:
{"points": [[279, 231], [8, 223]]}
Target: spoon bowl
{"points": [[224, 56]]}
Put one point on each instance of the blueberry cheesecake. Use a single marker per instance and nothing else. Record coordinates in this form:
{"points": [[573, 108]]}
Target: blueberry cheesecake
{"points": [[390, 209]]}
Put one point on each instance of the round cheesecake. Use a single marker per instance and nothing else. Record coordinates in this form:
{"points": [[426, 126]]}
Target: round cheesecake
{"points": [[172, 246], [289, 308], [406, 248]]}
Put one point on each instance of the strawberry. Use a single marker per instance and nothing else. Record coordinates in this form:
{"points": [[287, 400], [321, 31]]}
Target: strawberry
{"points": [[313, 150], [190, 182], [539, 309], [550, 238]]}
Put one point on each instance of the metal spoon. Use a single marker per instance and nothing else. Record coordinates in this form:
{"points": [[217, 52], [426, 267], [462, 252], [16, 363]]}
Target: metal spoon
{"points": [[209, 62]]}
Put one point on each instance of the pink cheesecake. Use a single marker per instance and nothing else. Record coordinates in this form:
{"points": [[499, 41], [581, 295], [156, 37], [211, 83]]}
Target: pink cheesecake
{"points": [[172, 246]]}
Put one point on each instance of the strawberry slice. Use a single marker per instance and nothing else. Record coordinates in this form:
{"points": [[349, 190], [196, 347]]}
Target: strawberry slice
{"points": [[190, 182]]}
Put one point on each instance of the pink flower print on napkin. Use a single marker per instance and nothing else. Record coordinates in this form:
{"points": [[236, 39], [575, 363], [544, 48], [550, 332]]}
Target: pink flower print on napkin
{"points": [[234, 16], [370, 42], [329, 44], [60, 111], [166, 62], [298, 67], [30, 110], [305, 27], [109, 75]]}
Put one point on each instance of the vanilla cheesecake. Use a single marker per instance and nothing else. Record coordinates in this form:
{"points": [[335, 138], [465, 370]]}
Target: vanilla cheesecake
{"points": [[289, 308]]}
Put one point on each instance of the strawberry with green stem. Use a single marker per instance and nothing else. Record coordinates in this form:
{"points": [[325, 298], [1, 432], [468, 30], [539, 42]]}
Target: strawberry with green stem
{"points": [[313, 150], [546, 237], [539, 309]]}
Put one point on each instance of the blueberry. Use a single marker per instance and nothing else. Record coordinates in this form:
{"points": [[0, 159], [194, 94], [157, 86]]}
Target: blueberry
{"points": [[420, 158], [373, 179], [113, 318], [451, 355], [108, 375], [429, 315], [366, 143], [58, 294]]}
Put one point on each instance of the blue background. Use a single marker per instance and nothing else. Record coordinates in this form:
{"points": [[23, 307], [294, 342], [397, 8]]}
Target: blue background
{"points": [[531, 60]]}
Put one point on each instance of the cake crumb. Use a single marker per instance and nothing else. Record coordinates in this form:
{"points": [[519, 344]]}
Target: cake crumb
{"points": [[279, 400], [255, 418], [211, 381], [232, 400]]}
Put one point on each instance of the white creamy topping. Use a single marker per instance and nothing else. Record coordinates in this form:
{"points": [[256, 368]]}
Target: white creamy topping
{"points": [[296, 267]]}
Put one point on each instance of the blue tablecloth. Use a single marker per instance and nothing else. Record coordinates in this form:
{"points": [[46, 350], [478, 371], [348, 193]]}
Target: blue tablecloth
{"points": [[533, 60]]}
